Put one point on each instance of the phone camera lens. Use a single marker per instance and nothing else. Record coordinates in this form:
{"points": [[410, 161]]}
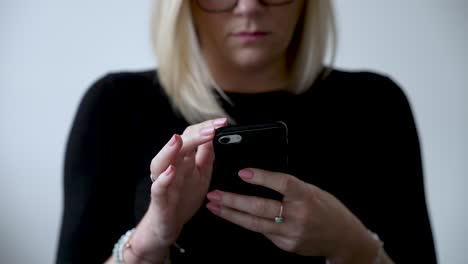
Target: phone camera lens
{"points": [[224, 140], [230, 139]]}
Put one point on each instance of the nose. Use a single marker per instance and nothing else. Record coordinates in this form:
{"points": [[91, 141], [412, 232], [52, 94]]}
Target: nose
{"points": [[248, 7]]}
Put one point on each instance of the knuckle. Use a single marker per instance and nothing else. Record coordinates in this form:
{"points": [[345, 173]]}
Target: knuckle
{"points": [[188, 129], [187, 137], [284, 183], [259, 207]]}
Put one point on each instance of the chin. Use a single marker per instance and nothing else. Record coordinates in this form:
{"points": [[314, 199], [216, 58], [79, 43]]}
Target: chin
{"points": [[253, 59]]}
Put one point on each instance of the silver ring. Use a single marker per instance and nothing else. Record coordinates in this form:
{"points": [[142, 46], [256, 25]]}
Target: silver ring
{"points": [[151, 177], [279, 219]]}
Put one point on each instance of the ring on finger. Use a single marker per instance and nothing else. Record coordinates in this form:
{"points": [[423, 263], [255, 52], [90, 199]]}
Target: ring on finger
{"points": [[279, 219]]}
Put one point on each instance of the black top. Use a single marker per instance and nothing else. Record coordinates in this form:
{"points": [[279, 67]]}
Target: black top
{"points": [[352, 134]]}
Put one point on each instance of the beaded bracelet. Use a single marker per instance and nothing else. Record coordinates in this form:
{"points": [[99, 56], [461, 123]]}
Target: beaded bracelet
{"points": [[123, 242], [117, 251], [377, 259]]}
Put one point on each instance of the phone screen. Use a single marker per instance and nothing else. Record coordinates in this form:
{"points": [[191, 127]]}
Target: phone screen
{"points": [[262, 146]]}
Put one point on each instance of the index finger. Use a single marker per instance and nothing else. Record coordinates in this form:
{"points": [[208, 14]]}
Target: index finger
{"points": [[166, 156], [283, 183], [201, 133]]}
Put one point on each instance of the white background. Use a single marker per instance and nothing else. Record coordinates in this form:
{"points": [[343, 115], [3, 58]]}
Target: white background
{"points": [[51, 51]]}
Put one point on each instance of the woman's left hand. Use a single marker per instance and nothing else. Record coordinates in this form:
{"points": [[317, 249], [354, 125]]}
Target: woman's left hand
{"points": [[315, 222]]}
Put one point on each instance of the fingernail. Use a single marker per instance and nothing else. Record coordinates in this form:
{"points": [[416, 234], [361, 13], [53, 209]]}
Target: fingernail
{"points": [[246, 174], [214, 196], [208, 131], [213, 207], [169, 170], [220, 121], [173, 140]]}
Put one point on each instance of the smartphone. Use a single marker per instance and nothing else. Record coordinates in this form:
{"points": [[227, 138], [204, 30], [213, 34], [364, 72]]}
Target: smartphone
{"points": [[262, 146]]}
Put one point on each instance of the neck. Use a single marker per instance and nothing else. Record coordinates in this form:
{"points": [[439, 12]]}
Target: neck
{"points": [[258, 79]]}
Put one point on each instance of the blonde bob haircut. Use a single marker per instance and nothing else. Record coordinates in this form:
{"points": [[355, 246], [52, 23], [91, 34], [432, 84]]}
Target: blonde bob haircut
{"points": [[184, 74]]}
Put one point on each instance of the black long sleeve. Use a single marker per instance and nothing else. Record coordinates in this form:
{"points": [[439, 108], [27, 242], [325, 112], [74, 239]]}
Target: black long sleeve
{"points": [[403, 205], [98, 199], [352, 134]]}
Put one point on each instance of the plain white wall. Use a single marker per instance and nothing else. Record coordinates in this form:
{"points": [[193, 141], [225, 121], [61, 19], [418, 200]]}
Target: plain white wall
{"points": [[51, 50]]}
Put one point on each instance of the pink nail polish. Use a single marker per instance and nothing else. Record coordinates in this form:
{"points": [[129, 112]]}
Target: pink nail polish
{"points": [[214, 196], [220, 121], [214, 208], [246, 174], [169, 170], [173, 140]]}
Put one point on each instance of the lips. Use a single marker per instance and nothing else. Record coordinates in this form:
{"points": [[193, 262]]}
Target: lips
{"points": [[250, 36], [253, 33]]}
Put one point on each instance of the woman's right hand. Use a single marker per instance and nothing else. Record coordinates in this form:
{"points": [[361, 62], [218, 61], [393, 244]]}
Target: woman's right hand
{"points": [[181, 172]]}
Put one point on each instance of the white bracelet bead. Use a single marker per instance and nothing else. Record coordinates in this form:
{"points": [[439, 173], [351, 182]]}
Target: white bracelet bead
{"points": [[117, 251], [378, 258]]}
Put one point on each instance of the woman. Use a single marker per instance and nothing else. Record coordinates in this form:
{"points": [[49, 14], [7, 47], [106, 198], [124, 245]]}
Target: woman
{"points": [[354, 191]]}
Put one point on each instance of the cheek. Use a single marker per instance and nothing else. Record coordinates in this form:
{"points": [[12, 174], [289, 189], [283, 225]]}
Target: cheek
{"points": [[211, 32], [285, 32], [292, 20], [286, 21]]}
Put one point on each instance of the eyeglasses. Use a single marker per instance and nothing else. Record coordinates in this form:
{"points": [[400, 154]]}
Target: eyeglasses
{"points": [[227, 5]]}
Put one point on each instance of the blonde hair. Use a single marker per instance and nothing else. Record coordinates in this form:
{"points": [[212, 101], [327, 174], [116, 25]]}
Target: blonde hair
{"points": [[184, 74]]}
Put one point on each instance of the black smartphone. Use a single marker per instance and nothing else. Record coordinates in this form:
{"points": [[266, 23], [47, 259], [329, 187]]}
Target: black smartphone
{"points": [[262, 146]]}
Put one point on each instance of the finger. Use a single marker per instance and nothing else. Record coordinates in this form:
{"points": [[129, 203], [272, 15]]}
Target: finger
{"points": [[250, 222], [187, 165], [161, 185], [198, 134], [204, 158], [256, 206], [166, 156], [285, 184], [190, 155]]}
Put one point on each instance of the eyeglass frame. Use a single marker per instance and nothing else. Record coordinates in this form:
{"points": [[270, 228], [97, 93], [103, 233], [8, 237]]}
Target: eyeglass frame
{"points": [[235, 2]]}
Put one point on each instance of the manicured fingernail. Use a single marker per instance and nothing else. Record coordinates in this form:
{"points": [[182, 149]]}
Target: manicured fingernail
{"points": [[220, 121], [246, 174], [214, 196], [207, 131], [169, 170], [173, 140], [214, 208]]}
